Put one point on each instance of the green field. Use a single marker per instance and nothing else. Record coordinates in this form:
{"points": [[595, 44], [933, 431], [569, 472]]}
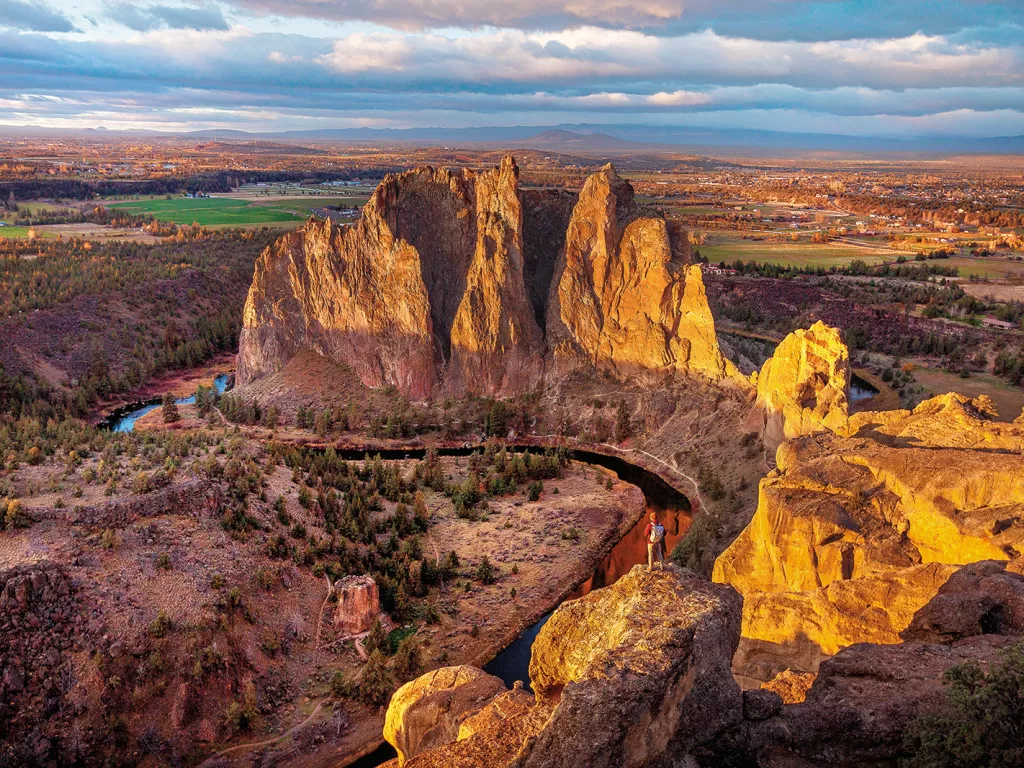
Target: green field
{"points": [[209, 211], [984, 267], [16, 232], [790, 254], [231, 212]]}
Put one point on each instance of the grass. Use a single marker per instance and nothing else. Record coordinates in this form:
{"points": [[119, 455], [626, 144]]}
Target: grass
{"points": [[791, 254], [1009, 399], [212, 211], [984, 267], [16, 233]]}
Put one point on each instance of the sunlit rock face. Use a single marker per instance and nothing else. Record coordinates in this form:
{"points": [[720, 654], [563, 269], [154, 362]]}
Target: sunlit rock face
{"points": [[632, 674], [622, 298], [804, 386], [437, 290], [854, 536], [427, 712]]}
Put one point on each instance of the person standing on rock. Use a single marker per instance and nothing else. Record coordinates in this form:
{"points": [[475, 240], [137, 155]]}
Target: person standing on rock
{"points": [[655, 535]]}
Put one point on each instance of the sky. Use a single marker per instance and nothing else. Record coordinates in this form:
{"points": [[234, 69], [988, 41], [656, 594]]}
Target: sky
{"points": [[866, 68]]}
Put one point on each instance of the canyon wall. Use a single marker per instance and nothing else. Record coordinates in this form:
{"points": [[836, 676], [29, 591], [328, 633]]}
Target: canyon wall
{"points": [[437, 289]]}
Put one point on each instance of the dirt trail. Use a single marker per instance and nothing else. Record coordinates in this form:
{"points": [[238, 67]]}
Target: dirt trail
{"points": [[268, 742]]}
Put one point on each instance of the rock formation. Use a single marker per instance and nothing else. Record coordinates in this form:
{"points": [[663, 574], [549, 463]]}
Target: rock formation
{"points": [[862, 702], [436, 290], [804, 387], [628, 675], [621, 298], [427, 712], [358, 606], [854, 535]]}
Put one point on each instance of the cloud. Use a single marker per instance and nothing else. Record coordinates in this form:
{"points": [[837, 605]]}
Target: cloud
{"points": [[775, 19], [143, 18], [37, 17]]}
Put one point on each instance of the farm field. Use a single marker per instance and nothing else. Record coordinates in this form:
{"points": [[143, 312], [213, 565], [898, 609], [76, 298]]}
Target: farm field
{"points": [[209, 211], [283, 211], [985, 267], [791, 254], [14, 232]]}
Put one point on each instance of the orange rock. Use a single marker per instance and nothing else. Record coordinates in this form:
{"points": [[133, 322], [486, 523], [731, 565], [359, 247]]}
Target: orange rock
{"points": [[431, 290], [358, 606]]}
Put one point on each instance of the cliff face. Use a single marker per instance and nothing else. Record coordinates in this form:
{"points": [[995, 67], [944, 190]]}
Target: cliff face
{"points": [[621, 297], [804, 387], [854, 535], [436, 289]]}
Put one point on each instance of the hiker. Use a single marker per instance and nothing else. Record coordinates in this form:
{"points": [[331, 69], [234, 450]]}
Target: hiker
{"points": [[655, 535]]}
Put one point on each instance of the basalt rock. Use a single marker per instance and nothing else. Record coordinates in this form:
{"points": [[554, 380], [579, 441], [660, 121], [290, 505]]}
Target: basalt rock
{"points": [[804, 386], [853, 536], [436, 288], [358, 606], [634, 674], [864, 700]]}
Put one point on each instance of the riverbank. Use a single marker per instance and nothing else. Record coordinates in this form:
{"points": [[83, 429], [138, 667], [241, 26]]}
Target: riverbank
{"points": [[182, 383]]}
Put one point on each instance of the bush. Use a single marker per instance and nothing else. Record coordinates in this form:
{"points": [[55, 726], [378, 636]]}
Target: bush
{"points": [[486, 573], [981, 725], [14, 516]]}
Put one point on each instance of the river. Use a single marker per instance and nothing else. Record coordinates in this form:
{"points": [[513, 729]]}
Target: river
{"points": [[123, 419], [673, 509]]}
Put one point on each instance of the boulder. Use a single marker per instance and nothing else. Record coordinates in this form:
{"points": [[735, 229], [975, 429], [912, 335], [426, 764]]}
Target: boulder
{"points": [[358, 606], [427, 712], [633, 674], [985, 598], [804, 386]]}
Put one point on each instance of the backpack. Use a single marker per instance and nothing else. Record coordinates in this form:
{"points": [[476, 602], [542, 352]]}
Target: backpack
{"points": [[657, 533]]}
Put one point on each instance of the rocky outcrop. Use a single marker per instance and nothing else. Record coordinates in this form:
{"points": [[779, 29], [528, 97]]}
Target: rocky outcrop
{"points": [[853, 536], [436, 290], [427, 712], [863, 701], [804, 386], [985, 598], [358, 606], [632, 674], [621, 297]]}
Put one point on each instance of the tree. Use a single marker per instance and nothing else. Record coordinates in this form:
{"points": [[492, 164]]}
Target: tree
{"points": [[486, 573], [622, 426], [170, 409], [407, 662], [376, 683]]}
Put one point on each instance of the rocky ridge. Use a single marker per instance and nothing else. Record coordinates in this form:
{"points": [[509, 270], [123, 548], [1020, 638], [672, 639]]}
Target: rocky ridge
{"points": [[436, 289]]}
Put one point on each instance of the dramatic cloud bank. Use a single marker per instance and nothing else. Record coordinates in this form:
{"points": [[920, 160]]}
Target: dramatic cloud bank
{"points": [[866, 68]]}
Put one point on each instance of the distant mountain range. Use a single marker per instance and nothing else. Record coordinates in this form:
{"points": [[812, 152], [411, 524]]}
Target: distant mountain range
{"points": [[599, 138]]}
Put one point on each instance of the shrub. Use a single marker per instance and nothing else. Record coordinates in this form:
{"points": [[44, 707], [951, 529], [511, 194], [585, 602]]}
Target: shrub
{"points": [[160, 626], [14, 516], [170, 409], [486, 573], [981, 724], [407, 663], [340, 686]]}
